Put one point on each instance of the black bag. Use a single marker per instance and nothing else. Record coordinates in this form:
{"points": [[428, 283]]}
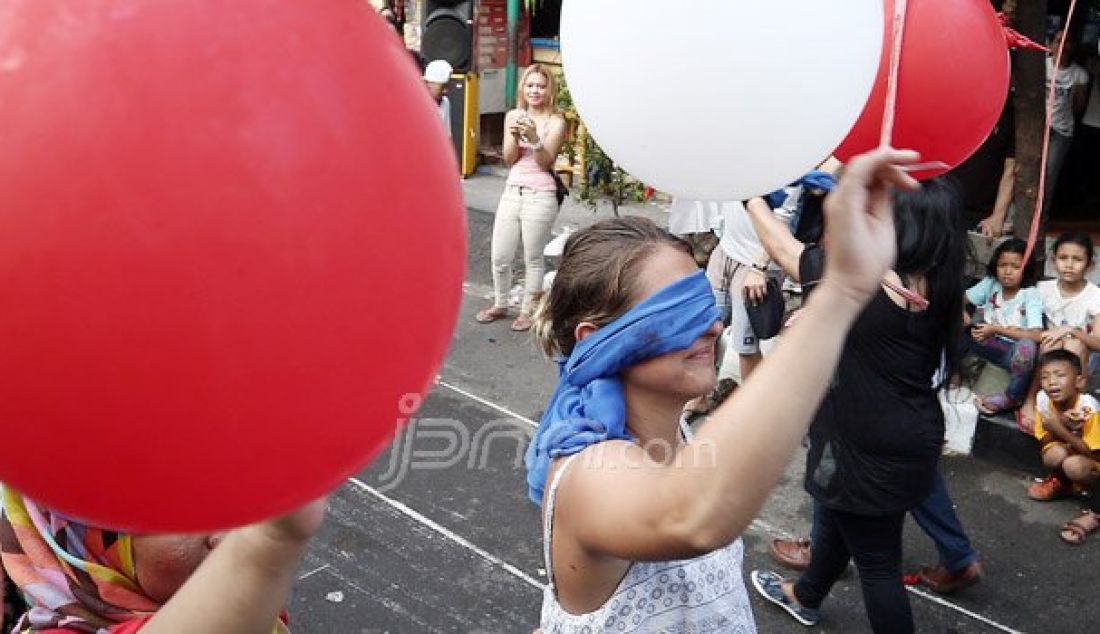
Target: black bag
{"points": [[766, 317], [562, 191]]}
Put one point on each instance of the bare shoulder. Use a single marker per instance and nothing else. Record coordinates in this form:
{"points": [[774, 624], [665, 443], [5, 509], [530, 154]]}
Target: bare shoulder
{"points": [[593, 468], [557, 119], [582, 483]]}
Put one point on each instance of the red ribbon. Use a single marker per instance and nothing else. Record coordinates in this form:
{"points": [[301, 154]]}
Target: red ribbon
{"points": [[1017, 40], [1033, 236]]}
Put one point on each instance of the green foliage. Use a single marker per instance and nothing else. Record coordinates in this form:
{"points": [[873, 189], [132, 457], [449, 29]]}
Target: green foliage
{"points": [[602, 178], [564, 102]]}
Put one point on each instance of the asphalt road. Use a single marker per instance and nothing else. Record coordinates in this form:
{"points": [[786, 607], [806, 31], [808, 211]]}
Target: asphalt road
{"points": [[438, 535]]}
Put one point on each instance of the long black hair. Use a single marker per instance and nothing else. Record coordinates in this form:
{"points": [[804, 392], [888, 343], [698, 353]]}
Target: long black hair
{"points": [[931, 246]]}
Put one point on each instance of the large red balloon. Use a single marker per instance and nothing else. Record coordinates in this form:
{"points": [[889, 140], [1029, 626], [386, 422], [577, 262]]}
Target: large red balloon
{"points": [[232, 240], [952, 83]]}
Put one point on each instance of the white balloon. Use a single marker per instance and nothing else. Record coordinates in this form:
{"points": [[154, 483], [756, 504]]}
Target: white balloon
{"points": [[720, 99]]}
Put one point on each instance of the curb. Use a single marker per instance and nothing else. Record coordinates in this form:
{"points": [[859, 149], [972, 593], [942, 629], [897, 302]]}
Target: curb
{"points": [[998, 442]]}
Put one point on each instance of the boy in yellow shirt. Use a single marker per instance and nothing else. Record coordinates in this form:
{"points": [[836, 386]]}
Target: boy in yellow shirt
{"points": [[1067, 424]]}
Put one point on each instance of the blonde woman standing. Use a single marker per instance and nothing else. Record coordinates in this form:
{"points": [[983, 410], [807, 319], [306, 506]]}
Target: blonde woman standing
{"points": [[533, 136]]}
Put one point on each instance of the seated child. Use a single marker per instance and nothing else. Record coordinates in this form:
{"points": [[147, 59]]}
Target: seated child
{"points": [[1067, 424], [1071, 304], [1009, 322]]}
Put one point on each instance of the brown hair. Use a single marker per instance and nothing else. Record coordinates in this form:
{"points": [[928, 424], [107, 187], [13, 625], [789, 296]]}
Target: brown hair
{"points": [[596, 281], [551, 86]]}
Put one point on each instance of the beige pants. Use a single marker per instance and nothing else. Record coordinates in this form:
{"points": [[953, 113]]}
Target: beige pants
{"points": [[528, 215]]}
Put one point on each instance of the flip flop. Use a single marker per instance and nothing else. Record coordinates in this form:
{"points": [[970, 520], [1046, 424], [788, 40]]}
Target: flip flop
{"points": [[491, 314], [522, 323], [1078, 531]]}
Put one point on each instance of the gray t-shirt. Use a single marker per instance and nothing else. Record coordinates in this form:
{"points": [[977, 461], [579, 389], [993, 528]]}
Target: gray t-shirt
{"points": [[1068, 79]]}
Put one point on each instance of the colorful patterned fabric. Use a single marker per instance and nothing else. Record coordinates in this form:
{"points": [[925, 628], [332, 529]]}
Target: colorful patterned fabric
{"points": [[75, 578]]}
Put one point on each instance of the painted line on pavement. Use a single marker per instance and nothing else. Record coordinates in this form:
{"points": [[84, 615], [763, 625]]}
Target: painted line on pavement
{"points": [[773, 531], [314, 571], [449, 534], [757, 524], [958, 608], [487, 403]]}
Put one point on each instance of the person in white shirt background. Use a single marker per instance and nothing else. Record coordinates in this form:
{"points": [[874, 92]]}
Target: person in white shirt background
{"points": [[437, 75], [695, 222], [1070, 95], [738, 273]]}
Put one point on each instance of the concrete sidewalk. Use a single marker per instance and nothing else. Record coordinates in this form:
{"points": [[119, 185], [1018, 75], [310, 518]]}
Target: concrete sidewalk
{"points": [[483, 191]]}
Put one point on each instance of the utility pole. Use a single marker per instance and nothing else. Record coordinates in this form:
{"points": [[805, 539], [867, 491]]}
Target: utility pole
{"points": [[510, 78], [1029, 77]]}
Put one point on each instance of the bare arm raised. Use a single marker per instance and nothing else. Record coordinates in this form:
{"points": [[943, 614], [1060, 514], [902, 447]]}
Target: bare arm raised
{"points": [[242, 586], [782, 247], [707, 495]]}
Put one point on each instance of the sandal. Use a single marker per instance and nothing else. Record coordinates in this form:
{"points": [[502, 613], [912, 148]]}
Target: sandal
{"points": [[995, 404], [491, 314], [522, 323], [1050, 489], [1077, 530]]}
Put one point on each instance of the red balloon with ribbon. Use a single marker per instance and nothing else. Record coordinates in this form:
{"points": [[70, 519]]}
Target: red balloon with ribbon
{"points": [[232, 248], [952, 76]]}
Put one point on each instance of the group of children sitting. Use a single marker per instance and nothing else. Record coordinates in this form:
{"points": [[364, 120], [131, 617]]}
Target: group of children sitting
{"points": [[1045, 335]]}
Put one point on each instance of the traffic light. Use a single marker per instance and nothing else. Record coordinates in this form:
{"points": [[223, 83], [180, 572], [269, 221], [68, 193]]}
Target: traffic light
{"points": [[447, 32]]}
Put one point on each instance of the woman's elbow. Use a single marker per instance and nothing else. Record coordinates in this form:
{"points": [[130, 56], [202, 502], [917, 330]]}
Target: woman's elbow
{"points": [[707, 539], [697, 536]]}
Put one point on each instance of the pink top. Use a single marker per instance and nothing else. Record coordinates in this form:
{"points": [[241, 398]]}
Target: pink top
{"points": [[526, 171]]}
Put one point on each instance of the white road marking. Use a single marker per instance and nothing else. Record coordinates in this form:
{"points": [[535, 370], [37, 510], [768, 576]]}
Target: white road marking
{"points": [[958, 608], [314, 571], [449, 534], [757, 524], [486, 403]]}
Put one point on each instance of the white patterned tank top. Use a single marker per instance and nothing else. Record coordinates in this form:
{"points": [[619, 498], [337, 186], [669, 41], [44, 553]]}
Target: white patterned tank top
{"points": [[704, 594]]}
